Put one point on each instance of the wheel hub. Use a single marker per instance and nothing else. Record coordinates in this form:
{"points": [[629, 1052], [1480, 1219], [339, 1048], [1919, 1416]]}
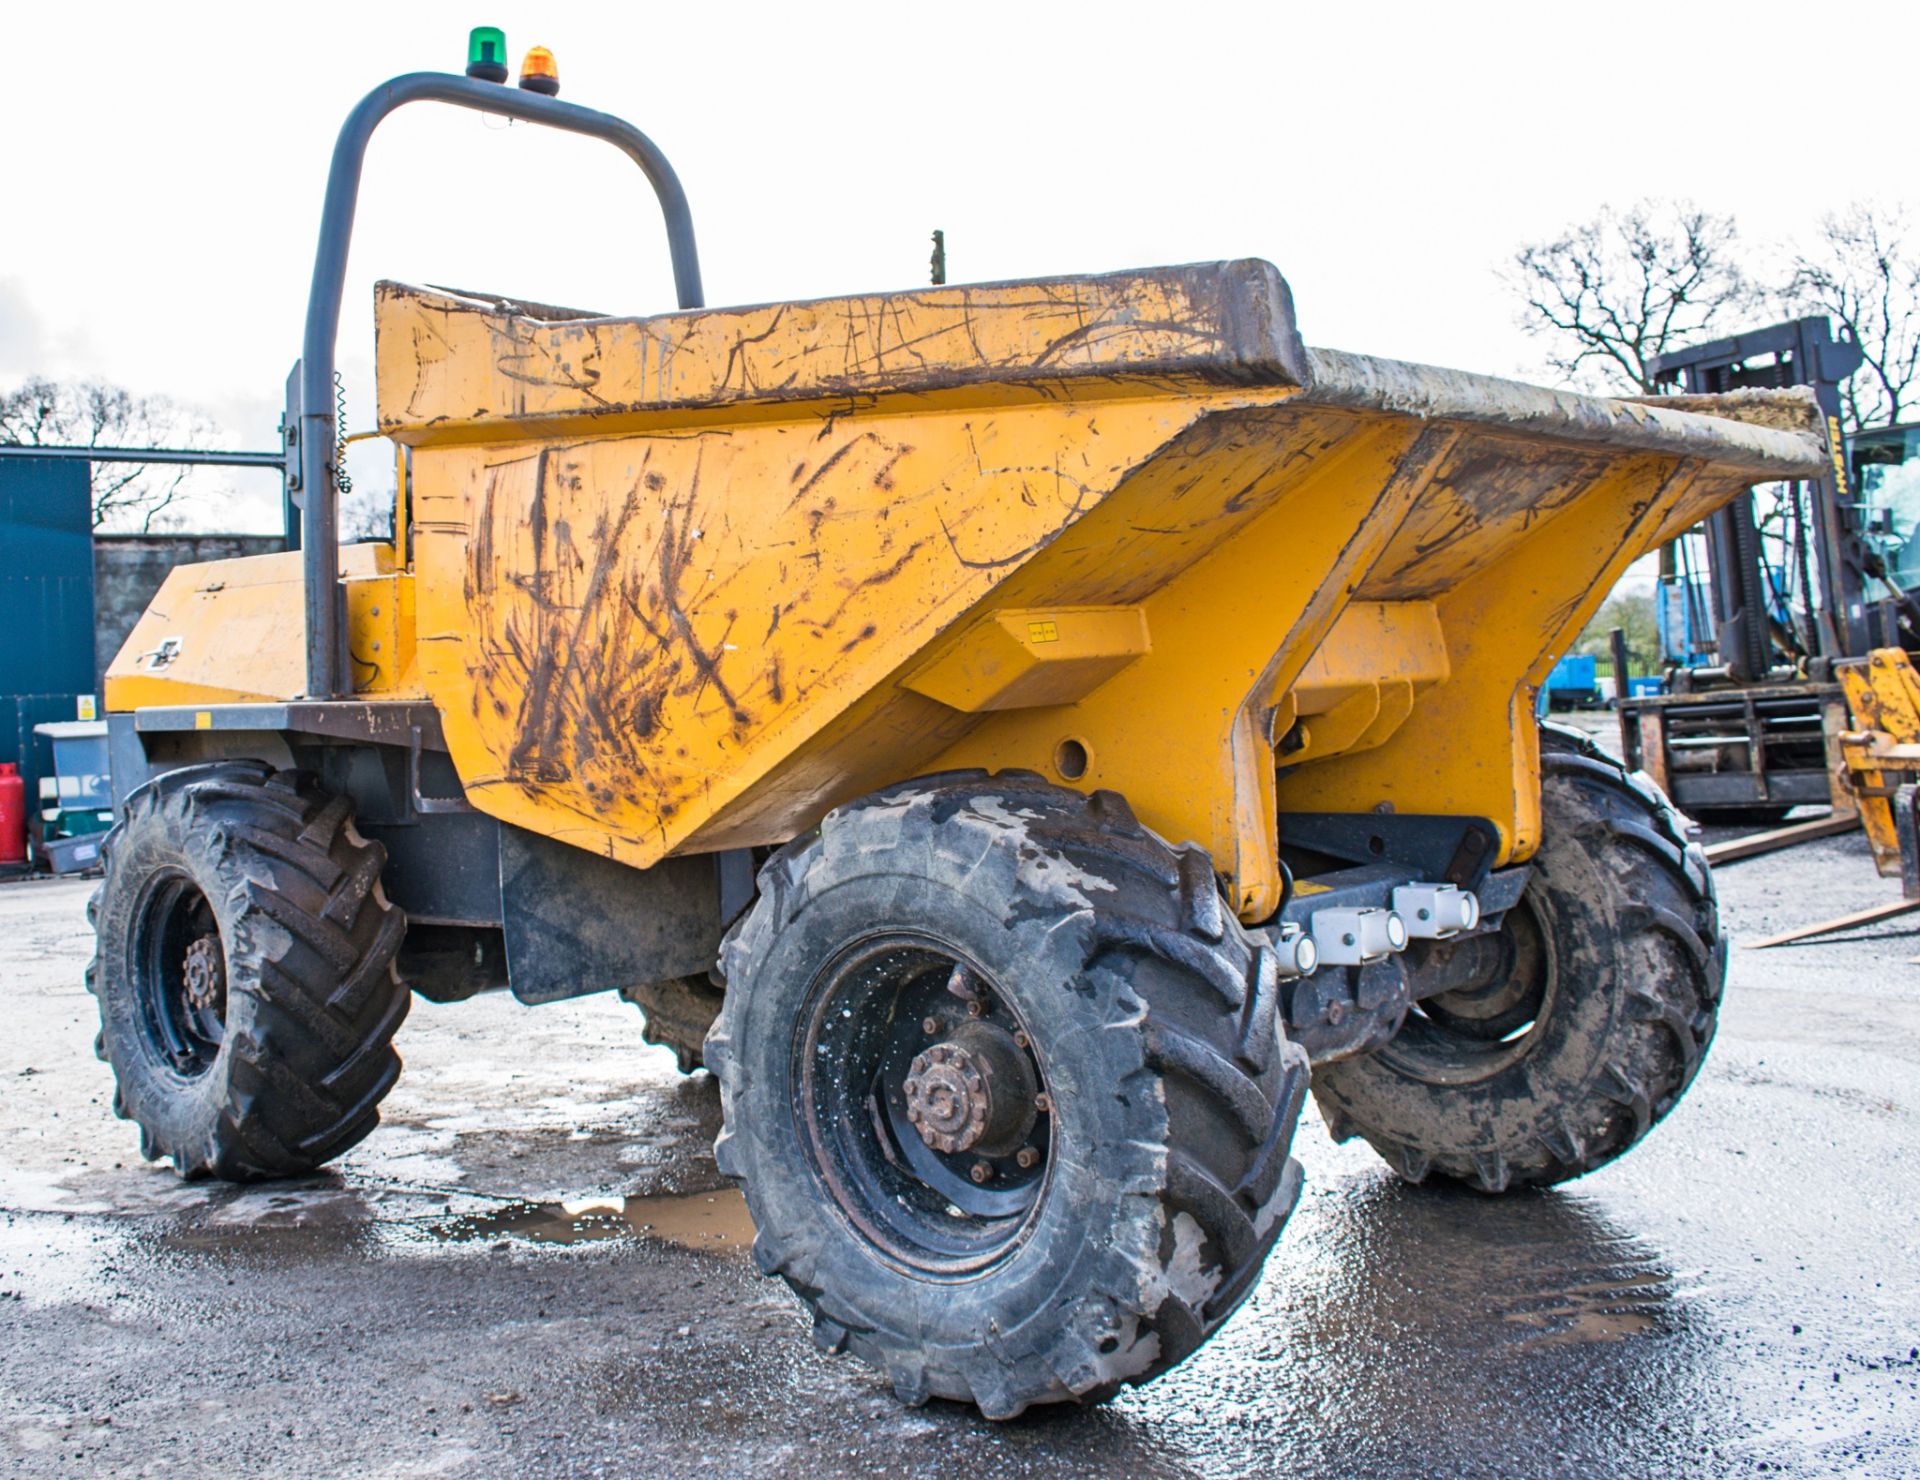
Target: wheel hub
{"points": [[922, 1105], [1508, 991], [179, 975], [973, 1090], [204, 975]]}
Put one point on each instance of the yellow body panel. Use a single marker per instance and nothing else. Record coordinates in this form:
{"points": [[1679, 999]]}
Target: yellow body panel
{"points": [[1506, 621], [1015, 659], [681, 584], [229, 632], [643, 661]]}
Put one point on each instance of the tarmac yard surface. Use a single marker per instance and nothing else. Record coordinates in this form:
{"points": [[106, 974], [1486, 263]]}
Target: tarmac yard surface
{"points": [[532, 1268]]}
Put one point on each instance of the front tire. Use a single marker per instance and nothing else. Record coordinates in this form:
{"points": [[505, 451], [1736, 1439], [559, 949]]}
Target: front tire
{"points": [[244, 971], [1006, 1087], [1595, 1022]]}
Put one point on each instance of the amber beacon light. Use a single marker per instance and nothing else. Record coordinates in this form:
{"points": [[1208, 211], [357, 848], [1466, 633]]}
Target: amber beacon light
{"points": [[539, 72]]}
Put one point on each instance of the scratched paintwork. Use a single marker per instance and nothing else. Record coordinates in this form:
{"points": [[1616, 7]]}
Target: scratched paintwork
{"points": [[639, 629], [452, 365], [677, 582]]}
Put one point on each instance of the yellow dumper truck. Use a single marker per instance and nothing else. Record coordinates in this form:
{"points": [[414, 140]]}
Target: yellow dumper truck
{"points": [[1020, 738]]}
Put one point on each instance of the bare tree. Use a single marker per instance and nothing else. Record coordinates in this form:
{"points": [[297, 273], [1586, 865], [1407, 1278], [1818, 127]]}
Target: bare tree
{"points": [[366, 513], [92, 413], [1609, 295], [1864, 274]]}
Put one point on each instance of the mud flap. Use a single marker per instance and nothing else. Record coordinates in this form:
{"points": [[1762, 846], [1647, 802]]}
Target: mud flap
{"points": [[577, 923]]}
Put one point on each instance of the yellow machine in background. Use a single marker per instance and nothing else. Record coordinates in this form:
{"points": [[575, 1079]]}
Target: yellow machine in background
{"points": [[1876, 771], [1018, 737], [1882, 750]]}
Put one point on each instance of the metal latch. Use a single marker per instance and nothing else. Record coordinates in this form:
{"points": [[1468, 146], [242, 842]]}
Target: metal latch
{"points": [[161, 656]]}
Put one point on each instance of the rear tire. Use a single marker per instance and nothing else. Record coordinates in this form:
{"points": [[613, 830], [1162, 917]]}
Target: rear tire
{"points": [[1127, 1215], [244, 971], [1616, 968]]}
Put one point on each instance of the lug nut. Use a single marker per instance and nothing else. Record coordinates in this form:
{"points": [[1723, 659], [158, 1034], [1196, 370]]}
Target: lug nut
{"points": [[930, 1026], [1020, 1040], [1043, 1103], [1028, 1157], [980, 1171], [976, 1008]]}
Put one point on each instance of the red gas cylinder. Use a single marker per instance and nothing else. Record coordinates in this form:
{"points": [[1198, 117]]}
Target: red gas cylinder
{"points": [[13, 815]]}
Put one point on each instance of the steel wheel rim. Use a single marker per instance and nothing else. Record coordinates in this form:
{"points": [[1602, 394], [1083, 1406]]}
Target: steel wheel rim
{"points": [[1471, 1034], [861, 1034], [178, 966]]}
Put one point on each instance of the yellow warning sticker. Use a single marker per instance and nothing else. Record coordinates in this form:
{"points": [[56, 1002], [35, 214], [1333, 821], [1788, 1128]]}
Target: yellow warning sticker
{"points": [[203, 719], [1307, 886], [1043, 632]]}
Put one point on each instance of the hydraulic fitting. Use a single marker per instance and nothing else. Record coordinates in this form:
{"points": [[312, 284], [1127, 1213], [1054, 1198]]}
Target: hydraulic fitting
{"points": [[1436, 911], [1346, 937], [1295, 951]]}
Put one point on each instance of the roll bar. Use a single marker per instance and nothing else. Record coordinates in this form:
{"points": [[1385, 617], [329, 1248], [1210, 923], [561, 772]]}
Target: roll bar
{"points": [[310, 402]]}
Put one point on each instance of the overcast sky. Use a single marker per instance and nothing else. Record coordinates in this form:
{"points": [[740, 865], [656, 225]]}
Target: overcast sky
{"points": [[167, 161]]}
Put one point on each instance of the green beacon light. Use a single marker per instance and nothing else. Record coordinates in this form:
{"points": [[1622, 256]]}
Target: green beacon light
{"points": [[487, 54]]}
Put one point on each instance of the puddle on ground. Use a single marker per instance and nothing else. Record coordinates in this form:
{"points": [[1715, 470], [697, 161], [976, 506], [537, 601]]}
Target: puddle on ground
{"points": [[1597, 1310], [710, 1221]]}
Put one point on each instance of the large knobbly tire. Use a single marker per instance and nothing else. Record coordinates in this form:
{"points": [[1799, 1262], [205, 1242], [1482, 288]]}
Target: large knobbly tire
{"points": [[1618, 962], [676, 1014], [244, 970], [1167, 1092]]}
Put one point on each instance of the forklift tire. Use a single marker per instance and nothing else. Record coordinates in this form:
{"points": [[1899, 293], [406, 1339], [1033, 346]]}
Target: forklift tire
{"points": [[1594, 1023], [1006, 1086], [244, 971], [677, 1014]]}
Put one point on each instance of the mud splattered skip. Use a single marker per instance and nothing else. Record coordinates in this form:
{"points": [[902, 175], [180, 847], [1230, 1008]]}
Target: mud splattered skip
{"points": [[714, 1222]]}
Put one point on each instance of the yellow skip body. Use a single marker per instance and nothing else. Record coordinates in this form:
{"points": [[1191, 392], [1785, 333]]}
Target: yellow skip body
{"points": [[681, 584]]}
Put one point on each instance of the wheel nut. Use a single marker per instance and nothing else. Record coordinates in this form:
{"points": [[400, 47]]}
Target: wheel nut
{"points": [[1028, 1158], [1020, 1040], [980, 1171], [930, 1026], [1043, 1103], [976, 1008]]}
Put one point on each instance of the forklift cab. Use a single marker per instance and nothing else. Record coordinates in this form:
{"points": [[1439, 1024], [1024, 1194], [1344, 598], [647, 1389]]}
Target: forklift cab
{"points": [[1885, 464]]}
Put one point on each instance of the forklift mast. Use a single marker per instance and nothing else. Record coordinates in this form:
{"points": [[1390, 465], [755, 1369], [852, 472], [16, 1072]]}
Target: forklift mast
{"points": [[1755, 734], [1799, 352]]}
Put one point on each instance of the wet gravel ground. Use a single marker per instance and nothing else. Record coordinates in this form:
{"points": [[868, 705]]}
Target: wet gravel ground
{"points": [[533, 1269]]}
